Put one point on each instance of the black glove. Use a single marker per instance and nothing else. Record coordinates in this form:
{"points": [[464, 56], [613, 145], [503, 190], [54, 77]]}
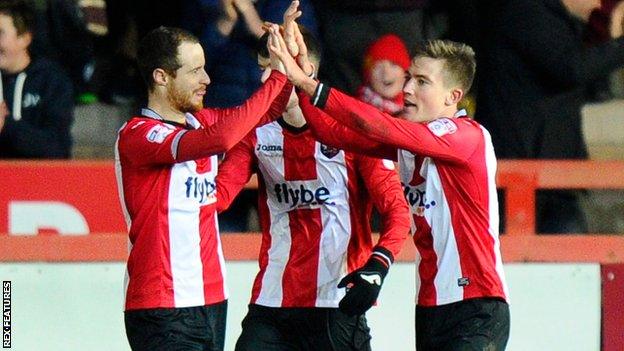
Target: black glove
{"points": [[364, 284]]}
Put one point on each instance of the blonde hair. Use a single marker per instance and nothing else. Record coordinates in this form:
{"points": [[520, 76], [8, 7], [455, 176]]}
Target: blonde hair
{"points": [[459, 61]]}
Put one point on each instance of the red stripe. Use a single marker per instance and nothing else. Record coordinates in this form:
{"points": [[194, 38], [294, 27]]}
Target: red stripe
{"points": [[360, 205], [299, 160], [300, 277], [299, 281], [265, 222], [209, 252], [467, 193], [144, 262], [428, 267]]}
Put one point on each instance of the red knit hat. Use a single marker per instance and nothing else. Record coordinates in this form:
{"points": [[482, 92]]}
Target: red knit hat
{"points": [[388, 47]]}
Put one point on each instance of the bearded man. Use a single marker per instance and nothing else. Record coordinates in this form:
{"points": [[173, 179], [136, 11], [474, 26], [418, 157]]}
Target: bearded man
{"points": [[166, 163]]}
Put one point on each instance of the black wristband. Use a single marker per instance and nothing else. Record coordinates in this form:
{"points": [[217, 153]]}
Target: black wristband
{"points": [[385, 254], [374, 264], [321, 94]]}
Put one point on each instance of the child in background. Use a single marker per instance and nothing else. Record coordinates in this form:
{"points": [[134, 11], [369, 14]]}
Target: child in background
{"points": [[385, 63]]}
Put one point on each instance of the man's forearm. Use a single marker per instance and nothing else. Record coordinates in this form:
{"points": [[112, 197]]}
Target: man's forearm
{"points": [[307, 85]]}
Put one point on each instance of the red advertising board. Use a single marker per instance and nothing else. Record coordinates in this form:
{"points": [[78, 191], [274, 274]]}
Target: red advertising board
{"points": [[59, 197]]}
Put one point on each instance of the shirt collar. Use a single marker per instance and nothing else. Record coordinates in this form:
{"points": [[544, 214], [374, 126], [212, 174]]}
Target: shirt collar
{"points": [[190, 119]]}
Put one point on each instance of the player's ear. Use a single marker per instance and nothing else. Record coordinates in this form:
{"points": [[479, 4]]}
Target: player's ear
{"points": [[160, 77], [454, 96]]}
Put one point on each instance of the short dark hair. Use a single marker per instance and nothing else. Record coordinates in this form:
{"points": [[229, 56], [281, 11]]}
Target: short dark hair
{"points": [[159, 49], [22, 12], [313, 45]]}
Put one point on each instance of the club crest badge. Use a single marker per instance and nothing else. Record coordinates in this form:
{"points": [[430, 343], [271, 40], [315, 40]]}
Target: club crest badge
{"points": [[329, 151]]}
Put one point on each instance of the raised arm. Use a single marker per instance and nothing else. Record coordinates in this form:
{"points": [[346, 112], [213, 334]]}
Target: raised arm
{"points": [[223, 128], [235, 171], [328, 131], [434, 139], [367, 120]]}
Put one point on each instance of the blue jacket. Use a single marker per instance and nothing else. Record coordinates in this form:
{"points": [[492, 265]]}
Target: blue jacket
{"points": [[230, 61], [40, 103]]}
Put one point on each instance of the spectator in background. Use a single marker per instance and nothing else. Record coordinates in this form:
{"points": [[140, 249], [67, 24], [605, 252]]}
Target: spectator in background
{"points": [[385, 63], [62, 34], [357, 21], [534, 73], [229, 31], [36, 112]]}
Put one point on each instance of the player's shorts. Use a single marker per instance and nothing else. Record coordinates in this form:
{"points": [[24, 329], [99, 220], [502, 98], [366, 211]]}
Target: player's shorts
{"points": [[474, 324], [199, 328], [302, 329]]}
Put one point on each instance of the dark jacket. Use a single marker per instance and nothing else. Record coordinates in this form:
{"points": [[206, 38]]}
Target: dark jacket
{"points": [[533, 72], [39, 126], [230, 60]]}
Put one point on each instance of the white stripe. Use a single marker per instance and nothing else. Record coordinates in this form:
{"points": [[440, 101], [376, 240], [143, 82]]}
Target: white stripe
{"points": [[175, 143], [386, 258], [418, 282], [185, 240], [119, 176], [318, 95], [17, 97], [127, 277], [444, 245], [336, 223], [214, 165], [148, 112], [192, 121], [122, 201], [490, 162], [272, 168]]}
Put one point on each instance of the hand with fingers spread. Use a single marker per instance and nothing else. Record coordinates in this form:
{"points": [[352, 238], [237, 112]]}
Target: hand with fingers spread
{"points": [[250, 16], [277, 46], [290, 15], [275, 60], [303, 59]]}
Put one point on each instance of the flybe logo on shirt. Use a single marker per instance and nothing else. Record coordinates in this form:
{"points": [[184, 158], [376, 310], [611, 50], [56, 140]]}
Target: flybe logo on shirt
{"points": [[302, 196], [417, 200], [201, 189]]}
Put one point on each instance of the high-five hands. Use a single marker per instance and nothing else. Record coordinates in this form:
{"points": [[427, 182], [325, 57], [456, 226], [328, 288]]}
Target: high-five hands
{"points": [[275, 60], [277, 47], [291, 14]]}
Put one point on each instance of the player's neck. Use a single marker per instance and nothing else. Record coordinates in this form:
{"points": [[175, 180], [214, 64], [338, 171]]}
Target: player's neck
{"points": [[449, 112], [294, 117], [165, 110]]}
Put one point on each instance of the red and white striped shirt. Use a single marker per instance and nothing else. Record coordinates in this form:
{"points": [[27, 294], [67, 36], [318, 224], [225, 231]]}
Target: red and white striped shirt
{"points": [[166, 178], [314, 206], [447, 169]]}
